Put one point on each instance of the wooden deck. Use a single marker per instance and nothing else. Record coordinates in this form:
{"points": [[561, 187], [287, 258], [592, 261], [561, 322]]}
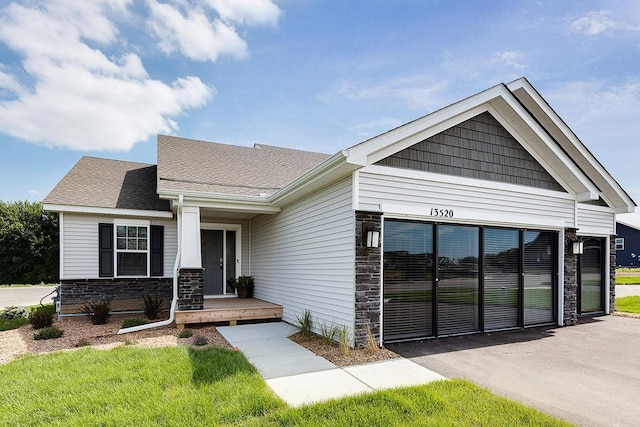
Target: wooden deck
{"points": [[229, 310]]}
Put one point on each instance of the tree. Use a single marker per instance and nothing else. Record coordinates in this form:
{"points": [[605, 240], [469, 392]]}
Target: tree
{"points": [[28, 243]]}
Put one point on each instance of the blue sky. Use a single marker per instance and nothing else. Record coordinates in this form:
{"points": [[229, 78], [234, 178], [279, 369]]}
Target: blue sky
{"points": [[102, 78]]}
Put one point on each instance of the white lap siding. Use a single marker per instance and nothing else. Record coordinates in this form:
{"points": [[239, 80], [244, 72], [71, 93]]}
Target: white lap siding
{"points": [[303, 258], [80, 245], [595, 220], [397, 192]]}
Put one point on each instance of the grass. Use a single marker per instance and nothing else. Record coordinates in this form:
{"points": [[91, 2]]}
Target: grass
{"points": [[179, 386], [628, 304], [628, 280]]}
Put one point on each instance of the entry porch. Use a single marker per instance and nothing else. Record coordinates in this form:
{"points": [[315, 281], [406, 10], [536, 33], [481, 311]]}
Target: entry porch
{"points": [[229, 310]]}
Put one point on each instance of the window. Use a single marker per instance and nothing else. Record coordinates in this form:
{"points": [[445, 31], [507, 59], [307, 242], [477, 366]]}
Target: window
{"points": [[619, 243], [132, 248]]}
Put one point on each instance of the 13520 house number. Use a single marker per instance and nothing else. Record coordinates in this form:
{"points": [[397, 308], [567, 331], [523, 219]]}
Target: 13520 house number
{"points": [[442, 213]]}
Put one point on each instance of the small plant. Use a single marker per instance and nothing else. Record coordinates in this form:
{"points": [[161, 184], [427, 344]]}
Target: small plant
{"points": [[185, 333], [133, 321], [129, 342], [328, 333], [199, 340], [371, 345], [41, 318], [15, 312], [98, 311], [304, 323], [345, 340], [83, 342], [48, 333], [152, 305], [243, 285]]}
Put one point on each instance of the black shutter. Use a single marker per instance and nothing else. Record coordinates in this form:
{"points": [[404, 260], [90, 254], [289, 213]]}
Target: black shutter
{"points": [[157, 249], [105, 237]]}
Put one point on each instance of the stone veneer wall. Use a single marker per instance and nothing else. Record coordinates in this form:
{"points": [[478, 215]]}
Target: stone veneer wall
{"points": [[125, 294], [570, 280], [190, 289], [367, 284], [612, 274]]}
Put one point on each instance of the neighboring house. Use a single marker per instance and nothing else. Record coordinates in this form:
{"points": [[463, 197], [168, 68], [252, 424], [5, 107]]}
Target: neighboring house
{"points": [[465, 220], [627, 241]]}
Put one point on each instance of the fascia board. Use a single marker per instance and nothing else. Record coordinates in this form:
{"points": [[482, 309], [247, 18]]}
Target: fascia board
{"points": [[107, 211], [524, 84], [332, 169], [222, 202]]}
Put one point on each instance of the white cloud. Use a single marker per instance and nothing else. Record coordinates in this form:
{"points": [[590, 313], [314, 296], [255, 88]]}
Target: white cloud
{"points": [[34, 192], [508, 58], [193, 34], [374, 127], [190, 30], [593, 23], [72, 91], [250, 12], [415, 92]]}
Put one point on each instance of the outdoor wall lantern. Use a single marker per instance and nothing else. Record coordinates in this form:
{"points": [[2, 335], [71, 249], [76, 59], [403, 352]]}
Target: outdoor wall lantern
{"points": [[577, 247], [373, 238]]}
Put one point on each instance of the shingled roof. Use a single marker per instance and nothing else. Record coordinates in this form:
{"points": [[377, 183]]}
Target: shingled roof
{"points": [[105, 183], [199, 166]]}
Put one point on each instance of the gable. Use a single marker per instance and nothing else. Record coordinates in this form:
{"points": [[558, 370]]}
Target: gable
{"points": [[479, 148]]}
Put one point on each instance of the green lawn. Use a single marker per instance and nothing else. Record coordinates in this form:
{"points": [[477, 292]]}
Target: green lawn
{"points": [[179, 386], [627, 280], [628, 304]]}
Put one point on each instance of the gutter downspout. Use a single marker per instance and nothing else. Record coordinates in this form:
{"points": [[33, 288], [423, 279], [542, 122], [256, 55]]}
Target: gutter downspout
{"points": [[174, 300]]}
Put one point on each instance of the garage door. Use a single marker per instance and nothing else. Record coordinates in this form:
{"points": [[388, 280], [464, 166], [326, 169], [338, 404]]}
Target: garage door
{"points": [[443, 279]]}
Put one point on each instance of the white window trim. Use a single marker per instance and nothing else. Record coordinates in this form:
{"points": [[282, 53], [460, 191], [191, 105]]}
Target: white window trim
{"points": [[131, 223], [620, 241]]}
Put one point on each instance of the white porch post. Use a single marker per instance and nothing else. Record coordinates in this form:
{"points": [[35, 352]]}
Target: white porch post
{"points": [[190, 246]]}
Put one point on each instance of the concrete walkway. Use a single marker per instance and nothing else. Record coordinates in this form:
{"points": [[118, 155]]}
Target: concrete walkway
{"points": [[28, 295], [627, 290], [301, 377]]}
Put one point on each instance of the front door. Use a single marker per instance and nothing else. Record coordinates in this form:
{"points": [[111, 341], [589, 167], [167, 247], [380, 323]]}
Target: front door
{"points": [[591, 276], [212, 261]]}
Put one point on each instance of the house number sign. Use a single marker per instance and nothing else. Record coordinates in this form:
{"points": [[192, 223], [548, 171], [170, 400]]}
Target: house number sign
{"points": [[442, 213]]}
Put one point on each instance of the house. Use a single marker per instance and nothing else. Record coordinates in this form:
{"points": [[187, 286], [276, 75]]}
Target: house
{"points": [[485, 215], [627, 241]]}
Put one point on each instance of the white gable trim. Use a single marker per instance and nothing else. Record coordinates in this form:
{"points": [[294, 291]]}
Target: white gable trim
{"points": [[523, 84], [498, 101]]}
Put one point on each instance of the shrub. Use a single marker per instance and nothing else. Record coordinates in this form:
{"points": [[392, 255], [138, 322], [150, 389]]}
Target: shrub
{"points": [[304, 323], [185, 333], [98, 311], [152, 306], [133, 321], [15, 312], [345, 340], [200, 340], [41, 318], [328, 333], [48, 333]]}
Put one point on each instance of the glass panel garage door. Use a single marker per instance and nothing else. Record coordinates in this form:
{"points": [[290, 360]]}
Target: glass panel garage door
{"points": [[408, 280], [539, 271], [501, 278], [457, 279], [591, 276]]}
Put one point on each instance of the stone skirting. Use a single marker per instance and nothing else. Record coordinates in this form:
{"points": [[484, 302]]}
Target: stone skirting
{"points": [[367, 284], [124, 294], [612, 274], [570, 314], [190, 289]]}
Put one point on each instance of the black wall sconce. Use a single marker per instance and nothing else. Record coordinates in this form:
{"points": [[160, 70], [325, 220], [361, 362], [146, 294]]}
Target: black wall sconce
{"points": [[370, 237], [577, 246]]}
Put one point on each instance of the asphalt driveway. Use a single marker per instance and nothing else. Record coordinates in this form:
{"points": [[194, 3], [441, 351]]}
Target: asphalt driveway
{"points": [[28, 295], [587, 374]]}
